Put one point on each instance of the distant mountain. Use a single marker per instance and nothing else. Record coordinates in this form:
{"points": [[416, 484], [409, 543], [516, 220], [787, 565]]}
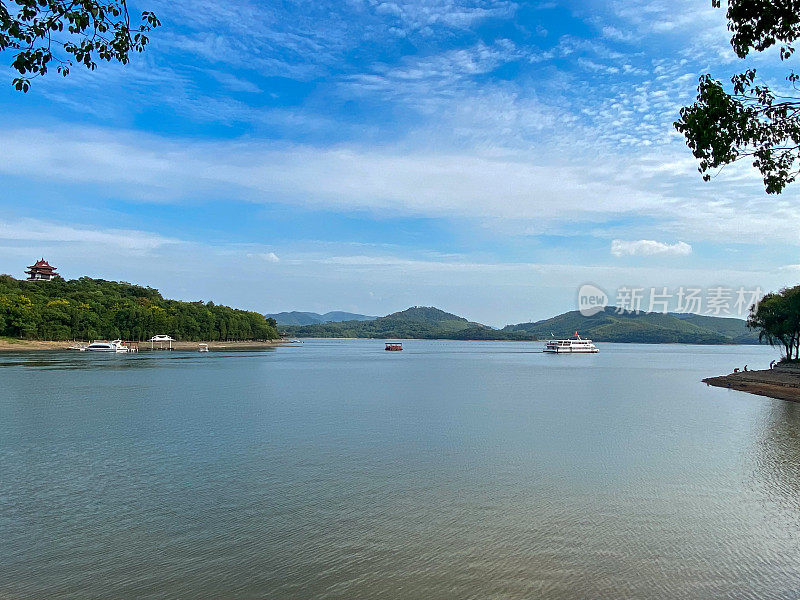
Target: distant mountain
{"points": [[610, 326], [295, 318], [311, 318], [338, 315], [426, 314], [606, 326], [422, 322]]}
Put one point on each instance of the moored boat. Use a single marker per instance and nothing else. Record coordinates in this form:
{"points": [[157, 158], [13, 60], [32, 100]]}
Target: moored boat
{"points": [[393, 347], [112, 346], [573, 345]]}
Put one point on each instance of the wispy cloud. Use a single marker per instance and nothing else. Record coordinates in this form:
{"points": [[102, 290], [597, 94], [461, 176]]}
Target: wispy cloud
{"points": [[34, 230], [649, 248], [265, 256], [493, 184]]}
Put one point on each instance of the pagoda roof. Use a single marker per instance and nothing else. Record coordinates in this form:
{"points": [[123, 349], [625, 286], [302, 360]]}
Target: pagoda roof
{"points": [[42, 265]]}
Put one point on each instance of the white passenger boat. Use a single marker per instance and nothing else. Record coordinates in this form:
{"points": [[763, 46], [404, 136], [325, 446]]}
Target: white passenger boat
{"points": [[112, 346], [574, 345]]}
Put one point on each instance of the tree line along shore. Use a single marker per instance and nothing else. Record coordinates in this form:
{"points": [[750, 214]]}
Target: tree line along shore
{"points": [[87, 309]]}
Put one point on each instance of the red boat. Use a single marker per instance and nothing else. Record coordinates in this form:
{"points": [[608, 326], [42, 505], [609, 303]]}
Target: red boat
{"points": [[393, 347]]}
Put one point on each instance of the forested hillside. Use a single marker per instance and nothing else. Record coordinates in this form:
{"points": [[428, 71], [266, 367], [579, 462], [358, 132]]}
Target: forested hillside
{"points": [[311, 318], [88, 308], [421, 322], [605, 326], [609, 325]]}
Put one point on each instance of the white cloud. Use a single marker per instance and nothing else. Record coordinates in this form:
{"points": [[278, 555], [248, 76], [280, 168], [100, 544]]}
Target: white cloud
{"points": [[234, 83], [649, 248], [617, 35], [396, 181], [33, 230], [543, 189], [265, 256], [590, 65]]}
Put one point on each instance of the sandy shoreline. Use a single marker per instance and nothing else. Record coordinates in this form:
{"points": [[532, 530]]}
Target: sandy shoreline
{"points": [[782, 383], [13, 345]]}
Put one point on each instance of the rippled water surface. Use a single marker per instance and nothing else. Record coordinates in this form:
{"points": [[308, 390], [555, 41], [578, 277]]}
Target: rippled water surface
{"points": [[333, 469]]}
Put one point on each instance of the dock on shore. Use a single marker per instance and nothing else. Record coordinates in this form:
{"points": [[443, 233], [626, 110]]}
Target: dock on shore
{"points": [[782, 382], [16, 345]]}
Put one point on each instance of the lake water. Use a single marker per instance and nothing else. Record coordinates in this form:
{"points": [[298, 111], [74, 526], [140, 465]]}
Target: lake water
{"points": [[333, 469]]}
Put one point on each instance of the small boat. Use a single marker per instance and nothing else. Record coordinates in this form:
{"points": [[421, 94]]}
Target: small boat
{"points": [[573, 345], [393, 347], [112, 346], [202, 347]]}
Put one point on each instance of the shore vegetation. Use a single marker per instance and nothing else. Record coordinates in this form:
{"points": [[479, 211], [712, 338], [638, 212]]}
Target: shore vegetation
{"points": [[54, 34], [751, 121], [87, 309], [776, 318]]}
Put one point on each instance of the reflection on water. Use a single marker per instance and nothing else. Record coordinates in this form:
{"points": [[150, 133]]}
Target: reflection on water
{"points": [[57, 359], [450, 470], [777, 462]]}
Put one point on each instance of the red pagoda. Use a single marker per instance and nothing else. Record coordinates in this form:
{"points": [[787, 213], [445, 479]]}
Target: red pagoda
{"points": [[41, 271]]}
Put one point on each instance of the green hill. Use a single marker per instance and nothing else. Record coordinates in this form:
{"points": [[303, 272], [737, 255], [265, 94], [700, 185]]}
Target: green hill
{"points": [[422, 322], [732, 328], [311, 318], [340, 315], [426, 314], [94, 308], [609, 326], [605, 326]]}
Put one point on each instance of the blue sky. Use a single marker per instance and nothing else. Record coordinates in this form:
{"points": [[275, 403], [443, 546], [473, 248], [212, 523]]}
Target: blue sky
{"points": [[487, 157]]}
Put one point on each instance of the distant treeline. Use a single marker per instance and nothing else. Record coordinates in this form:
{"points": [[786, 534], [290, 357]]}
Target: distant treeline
{"points": [[608, 325], [88, 309]]}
